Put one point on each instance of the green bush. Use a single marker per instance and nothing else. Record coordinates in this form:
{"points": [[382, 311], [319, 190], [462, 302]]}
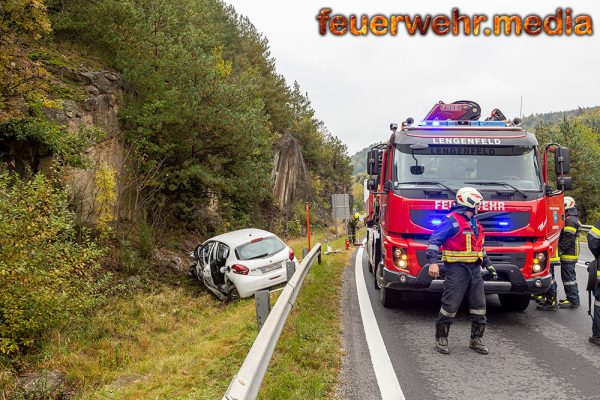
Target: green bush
{"points": [[47, 276]]}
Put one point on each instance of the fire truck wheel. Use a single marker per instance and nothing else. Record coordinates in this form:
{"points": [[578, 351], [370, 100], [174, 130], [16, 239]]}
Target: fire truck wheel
{"points": [[378, 276], [389, 297], [514, 302]]}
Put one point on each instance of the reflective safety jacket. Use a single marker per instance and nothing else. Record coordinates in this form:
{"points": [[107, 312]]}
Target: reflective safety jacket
{"points": [[568, 242], [459, 239], [593, 239]]}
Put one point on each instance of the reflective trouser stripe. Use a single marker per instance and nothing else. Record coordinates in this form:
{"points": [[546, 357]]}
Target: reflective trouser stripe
{"points": [[570, 283], [446, 313], [433, 247], [569, 257], [461, 259], [463, 253], [570, 229], [598, 273], [478, 312], [595, 232], [597, 303]]}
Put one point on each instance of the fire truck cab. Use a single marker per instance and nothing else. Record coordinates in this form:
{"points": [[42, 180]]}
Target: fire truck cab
{"points": [[413, 181]]}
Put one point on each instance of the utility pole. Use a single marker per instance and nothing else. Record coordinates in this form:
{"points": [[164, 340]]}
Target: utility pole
{"points": [[521, 110]]}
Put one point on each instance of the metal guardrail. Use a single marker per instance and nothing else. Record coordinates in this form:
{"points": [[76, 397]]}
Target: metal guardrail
{"points": [[247, 381]]}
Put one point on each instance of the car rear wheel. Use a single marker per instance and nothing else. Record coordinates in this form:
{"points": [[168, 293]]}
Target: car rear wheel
{"points": [[514, 302], [233, 294]]}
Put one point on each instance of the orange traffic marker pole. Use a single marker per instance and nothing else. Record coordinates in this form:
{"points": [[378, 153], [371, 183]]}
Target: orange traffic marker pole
{"points": [[308, 224]]}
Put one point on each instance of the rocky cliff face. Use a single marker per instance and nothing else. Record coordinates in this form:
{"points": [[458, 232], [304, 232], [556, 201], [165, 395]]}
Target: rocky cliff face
{"points": [[98, 110], [290, 178]]}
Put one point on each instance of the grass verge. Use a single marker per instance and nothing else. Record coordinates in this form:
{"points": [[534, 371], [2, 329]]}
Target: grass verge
{"points": [[176, 341]]}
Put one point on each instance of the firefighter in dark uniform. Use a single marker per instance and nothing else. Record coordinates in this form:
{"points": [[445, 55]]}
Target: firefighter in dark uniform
{"points": [[460, 238], [568, 249], [593, 239]]}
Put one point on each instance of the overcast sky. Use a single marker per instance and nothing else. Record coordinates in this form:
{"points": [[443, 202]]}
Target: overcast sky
{"points": [[358, 85]]}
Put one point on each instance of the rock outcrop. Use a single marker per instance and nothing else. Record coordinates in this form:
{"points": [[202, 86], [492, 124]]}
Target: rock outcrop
{"points": [[99, 110], [290, 177]]}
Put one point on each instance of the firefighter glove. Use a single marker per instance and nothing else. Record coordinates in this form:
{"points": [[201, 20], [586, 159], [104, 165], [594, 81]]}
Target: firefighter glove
{"points": [[493, 273]]}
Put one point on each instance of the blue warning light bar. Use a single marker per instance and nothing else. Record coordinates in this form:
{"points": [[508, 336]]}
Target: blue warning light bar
{"points": [[437, 123]]}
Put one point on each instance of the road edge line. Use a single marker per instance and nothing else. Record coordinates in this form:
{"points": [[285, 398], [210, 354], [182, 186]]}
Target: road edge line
{"points": [[389, 387]]}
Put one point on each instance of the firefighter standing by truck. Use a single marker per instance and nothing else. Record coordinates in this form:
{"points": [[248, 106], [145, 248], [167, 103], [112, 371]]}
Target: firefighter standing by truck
{"points": [[568, 248], [352, 226], [593, 239], [461, 239]]}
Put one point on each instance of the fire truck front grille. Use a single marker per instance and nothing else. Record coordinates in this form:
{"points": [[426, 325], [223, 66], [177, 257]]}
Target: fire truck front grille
{"points": [[516, 259]]}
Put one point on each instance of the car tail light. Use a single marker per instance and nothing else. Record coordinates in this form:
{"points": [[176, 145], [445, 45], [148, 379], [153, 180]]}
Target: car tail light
{"points": [[256, 240], [240, 269], [292, 255]]}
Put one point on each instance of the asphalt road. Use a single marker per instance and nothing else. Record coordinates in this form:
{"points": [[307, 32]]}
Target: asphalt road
{"points": [[533, 354]]}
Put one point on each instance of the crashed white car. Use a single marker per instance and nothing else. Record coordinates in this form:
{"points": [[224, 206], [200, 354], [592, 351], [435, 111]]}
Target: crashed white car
{"points": [[237, 264]]}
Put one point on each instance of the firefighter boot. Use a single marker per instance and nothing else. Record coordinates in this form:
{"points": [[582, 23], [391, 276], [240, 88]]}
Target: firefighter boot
{"points": [[595, 340], [566, 303], [550, 305], [477, 331], [441, 338]]}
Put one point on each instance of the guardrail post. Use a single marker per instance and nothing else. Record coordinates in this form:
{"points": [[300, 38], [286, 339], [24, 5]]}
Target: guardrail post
{"points": [[290, 269], [319, 256], [262, 300], [246, 383]]}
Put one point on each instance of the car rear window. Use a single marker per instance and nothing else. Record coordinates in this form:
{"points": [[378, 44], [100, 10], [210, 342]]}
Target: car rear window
{"points": [[259, 249]]}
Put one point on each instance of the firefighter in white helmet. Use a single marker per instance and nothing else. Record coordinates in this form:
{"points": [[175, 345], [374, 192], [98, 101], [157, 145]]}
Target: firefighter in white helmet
{"points": [[460, 238], [568, 249]]}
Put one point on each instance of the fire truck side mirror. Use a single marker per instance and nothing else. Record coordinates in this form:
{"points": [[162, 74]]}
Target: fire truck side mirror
{"points": [[371, 185], [562, 160], [565, 183], [372, 162]]}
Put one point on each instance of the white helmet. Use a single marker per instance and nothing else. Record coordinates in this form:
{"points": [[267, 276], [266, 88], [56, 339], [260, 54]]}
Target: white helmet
{"points": [[468, 197], [569, 202]]}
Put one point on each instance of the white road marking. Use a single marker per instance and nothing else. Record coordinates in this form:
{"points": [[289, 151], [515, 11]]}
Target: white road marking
{"points": [[389, 387]]}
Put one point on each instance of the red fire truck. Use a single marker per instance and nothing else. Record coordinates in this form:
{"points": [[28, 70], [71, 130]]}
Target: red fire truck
{"points": [[413, 181]]}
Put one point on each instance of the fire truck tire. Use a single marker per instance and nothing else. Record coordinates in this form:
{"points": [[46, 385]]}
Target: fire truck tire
{"points": [[514, 302], [369, 258], [390, 298], [378, 276]]}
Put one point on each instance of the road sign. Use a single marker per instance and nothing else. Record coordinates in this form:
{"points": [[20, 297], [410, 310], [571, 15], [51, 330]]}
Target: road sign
{"points": [[340, 206]]}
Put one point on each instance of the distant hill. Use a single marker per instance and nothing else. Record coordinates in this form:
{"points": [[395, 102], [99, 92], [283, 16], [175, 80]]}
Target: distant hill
{"points": [[359, 160], [589, 115], [533, 120]]}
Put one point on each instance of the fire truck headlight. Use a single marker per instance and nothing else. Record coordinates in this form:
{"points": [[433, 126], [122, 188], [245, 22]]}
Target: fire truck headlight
{"points": [[400, 258], [541, 256], [537, 267]]}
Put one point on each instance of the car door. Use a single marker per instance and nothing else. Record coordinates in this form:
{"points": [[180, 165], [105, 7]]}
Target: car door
{"points": [[205, 257], [221, 253]]}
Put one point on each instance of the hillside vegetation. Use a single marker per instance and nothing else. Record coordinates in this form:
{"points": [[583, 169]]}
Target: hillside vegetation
{"points": [[201, 109], [205, 106]]}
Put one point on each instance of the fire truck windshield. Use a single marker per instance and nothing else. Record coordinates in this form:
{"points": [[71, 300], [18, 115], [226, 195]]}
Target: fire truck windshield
{"points": [[455, 166]]}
